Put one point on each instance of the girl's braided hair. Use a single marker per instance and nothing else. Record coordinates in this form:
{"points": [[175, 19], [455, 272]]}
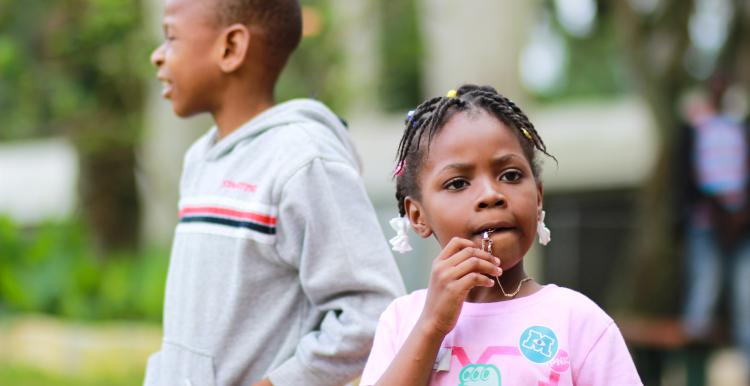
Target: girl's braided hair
{"points": [[431, 115]]}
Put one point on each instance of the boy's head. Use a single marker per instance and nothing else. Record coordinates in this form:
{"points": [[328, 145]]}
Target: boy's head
{"points": [[210, 43], [276, 24]]}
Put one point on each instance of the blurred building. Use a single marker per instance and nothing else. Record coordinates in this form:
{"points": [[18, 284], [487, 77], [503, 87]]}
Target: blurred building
{"points": [[605, 149]]}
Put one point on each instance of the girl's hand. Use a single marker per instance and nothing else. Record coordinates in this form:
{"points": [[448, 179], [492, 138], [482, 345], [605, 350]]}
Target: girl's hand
{"points": [[459, 268]]}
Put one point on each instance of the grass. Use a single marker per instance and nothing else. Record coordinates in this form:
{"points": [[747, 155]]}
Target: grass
{"points": [[27, 376]]}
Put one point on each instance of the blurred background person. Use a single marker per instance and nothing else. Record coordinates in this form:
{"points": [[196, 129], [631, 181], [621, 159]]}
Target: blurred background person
{"points": [[713, 206]]}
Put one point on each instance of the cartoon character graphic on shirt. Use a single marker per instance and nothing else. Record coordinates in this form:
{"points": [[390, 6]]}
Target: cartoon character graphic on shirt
{"points": [[479, 375], [538, 344]]}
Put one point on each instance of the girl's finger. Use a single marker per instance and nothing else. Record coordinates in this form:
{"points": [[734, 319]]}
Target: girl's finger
{"points": [[469, 252], [472, 280], [456, 244], [474, 264]]}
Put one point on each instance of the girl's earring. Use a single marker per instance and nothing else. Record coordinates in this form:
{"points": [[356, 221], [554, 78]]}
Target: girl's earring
{"points": [[542, 231], [400, 243]]}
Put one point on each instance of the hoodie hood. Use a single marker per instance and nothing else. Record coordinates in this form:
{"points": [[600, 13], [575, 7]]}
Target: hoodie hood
{"points": [[298, 111]]}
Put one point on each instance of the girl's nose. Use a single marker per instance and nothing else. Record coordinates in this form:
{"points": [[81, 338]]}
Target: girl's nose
{"points": [[491, 197]]}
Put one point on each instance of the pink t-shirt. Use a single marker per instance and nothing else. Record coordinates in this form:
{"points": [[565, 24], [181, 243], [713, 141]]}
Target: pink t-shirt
{"points": [[556, 336]]}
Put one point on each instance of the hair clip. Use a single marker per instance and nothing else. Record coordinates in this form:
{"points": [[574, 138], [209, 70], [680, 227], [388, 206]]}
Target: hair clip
{"points": [[451, 94], [526, 133], [398, 171]]}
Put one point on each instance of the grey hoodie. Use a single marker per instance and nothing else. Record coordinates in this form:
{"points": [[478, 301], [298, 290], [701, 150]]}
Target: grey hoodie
{"points": [[279, 268]]}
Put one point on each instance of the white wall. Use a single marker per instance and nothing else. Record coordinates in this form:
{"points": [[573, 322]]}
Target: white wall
{"points": [[38, 180]]}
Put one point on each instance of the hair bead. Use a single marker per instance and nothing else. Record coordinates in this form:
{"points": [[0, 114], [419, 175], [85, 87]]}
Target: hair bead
{"points": [[526, 134]]}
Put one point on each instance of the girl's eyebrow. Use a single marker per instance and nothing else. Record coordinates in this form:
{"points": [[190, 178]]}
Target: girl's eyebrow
{"points": [[504, 159], [456, 166]]}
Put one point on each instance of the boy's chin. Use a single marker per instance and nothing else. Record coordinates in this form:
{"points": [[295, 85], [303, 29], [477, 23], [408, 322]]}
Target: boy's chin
{"points": [[182, 111], [181, 114]]}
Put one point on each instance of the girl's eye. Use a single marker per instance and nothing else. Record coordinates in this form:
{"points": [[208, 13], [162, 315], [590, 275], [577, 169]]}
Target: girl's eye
{"points": [[455, 184], [511, 176]]}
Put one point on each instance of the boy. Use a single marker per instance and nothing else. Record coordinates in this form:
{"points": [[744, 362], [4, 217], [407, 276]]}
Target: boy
{"points": [[279, 269]]}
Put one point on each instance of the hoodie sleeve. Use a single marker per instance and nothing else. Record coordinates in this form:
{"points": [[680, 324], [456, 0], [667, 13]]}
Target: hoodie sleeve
{"points": [[328, 230]]}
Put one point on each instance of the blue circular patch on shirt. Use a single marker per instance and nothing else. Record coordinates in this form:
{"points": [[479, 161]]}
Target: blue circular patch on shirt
{"points": [[538, 344]]}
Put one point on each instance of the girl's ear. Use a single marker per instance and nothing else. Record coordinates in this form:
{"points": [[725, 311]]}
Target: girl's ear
{"points": [[415, 214], [539, 196]]}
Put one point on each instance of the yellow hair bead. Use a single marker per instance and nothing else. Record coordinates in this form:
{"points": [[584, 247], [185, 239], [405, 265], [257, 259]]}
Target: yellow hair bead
{"points": [[451, 94], [526, 133]]}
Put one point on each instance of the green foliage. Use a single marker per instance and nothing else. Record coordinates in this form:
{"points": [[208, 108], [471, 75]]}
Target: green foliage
{"points": [[72, 66], [314, 69], [77, 68], [594, 66], [52, 270], [401, 55]]}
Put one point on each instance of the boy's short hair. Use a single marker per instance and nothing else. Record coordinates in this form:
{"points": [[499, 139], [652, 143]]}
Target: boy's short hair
{"points": [[279, 20]]}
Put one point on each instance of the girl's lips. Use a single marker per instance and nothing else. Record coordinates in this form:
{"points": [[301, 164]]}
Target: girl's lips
{"points": [[493, 230], [491, 233]]}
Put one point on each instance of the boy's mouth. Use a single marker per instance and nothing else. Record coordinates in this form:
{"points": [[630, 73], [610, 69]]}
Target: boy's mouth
{"points": [[166, 88]]}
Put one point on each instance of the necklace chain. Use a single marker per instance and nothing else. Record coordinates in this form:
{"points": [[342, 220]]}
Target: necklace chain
{"points": [[514, 293], [487, 246]]}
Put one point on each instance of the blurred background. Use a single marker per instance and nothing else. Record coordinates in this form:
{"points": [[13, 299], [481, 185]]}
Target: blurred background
{"points": [[90, 157]]}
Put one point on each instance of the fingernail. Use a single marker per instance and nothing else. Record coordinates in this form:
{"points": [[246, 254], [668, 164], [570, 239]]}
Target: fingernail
{"points": [[497, 261], [499, 271]]}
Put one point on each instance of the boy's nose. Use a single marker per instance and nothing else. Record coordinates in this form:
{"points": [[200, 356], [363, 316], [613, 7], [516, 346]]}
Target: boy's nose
{"points": [[157, 57]]}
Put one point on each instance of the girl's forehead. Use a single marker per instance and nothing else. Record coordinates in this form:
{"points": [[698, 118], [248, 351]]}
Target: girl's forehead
{"points": [[475, 127], [473, 137]]}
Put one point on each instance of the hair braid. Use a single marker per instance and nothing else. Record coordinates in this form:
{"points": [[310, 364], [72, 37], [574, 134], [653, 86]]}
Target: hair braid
{"points": [[431, 115], [438, 118], [413, 126]]}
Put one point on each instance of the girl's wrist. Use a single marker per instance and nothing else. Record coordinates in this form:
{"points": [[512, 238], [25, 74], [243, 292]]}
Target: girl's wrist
{"points": [[430, 329]]}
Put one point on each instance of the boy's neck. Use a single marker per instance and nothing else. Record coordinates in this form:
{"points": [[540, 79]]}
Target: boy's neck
{"points": [[238, 107]]}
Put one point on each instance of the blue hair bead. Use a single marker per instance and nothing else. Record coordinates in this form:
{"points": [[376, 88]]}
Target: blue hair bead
{"points": [[409, 117]]}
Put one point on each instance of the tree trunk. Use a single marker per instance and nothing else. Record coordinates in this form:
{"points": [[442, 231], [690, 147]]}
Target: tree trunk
{"points": [[109, 199]]}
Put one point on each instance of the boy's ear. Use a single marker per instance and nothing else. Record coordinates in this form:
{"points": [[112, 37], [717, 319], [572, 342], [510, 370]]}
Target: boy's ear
{"points": [[234, 43], [415, 214]]}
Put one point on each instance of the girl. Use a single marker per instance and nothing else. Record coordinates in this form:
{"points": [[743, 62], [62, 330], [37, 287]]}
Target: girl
{"points": [[467, 175]]}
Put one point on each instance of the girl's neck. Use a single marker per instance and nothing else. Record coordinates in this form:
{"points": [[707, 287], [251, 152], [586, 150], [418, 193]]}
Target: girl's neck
{"points": [[512, 280]]}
